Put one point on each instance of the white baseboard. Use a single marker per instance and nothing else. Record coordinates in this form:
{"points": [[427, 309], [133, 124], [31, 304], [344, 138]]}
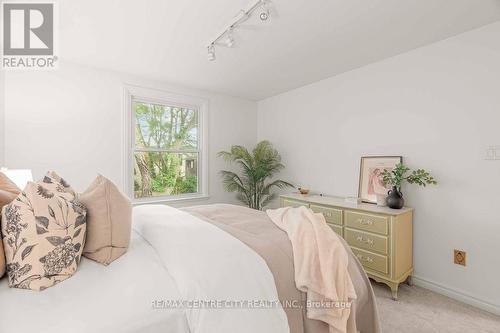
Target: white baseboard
{"points": [[457, 295]]}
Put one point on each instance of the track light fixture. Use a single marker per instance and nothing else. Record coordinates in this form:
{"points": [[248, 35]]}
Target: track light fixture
{"points": [[226, 37], [211, 52]]}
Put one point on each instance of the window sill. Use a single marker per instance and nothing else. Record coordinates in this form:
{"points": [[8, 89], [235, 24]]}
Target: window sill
{"points": [[166, 200]]}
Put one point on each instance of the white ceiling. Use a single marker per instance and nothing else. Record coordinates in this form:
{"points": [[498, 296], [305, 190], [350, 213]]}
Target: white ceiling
{"points": [[305, 41]]}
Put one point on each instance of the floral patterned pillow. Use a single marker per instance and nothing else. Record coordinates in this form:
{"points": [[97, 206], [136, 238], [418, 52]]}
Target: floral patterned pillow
{"points": [[55, 183], [8, 192], [44, 234]]}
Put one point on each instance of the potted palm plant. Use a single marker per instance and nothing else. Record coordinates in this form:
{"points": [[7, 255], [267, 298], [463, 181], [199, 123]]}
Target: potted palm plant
{"points": [[397, 176], [252, 186]]}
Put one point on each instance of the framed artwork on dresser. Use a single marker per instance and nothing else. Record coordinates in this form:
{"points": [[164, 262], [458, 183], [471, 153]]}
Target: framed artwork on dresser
{"points": [[370, 176]]}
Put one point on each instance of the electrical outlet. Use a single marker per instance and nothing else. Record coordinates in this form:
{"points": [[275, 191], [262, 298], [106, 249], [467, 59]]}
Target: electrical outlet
{"points": [[493, 153], [459, 257]]}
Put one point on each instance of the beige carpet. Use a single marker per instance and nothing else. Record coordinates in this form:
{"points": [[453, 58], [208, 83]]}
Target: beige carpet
{"points": [[419, 310]]}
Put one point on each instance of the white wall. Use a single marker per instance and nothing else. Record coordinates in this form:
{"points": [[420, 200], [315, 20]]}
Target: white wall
{"points": [[439, 107], [70, 120], [2, 116]]}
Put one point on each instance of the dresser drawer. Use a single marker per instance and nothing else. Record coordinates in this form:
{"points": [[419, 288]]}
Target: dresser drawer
{"points": [[367, 241], [367, 222], [331, 215], [369, 260], [336, 228], [293, 203]]}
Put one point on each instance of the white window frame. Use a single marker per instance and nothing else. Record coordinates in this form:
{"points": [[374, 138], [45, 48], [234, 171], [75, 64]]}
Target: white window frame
{"points": [[134, 93]]}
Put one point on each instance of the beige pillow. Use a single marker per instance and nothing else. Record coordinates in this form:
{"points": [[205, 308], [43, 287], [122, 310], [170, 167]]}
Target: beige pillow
{"points": [[8, 185], [109, 219], [2, 258], [8, 192], [44, 235]]}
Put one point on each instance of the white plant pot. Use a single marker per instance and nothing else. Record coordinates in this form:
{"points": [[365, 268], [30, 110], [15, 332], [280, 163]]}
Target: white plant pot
{"points": [[381, 200]]}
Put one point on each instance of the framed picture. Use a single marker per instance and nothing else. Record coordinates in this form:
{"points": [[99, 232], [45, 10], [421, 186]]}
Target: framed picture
{"points": [[370, 176]]}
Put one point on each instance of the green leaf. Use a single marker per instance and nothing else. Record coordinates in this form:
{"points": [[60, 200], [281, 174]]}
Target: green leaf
{"points": [[397, 176], [256, 168]]}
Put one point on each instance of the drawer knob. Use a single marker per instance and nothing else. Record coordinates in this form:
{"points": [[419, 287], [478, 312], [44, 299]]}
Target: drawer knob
{"points": [[365, 259], [329, 214], [368, 241], [365, 222]]}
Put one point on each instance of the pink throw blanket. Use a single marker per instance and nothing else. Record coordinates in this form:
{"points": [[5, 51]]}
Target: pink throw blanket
{"points": [[320, 262]]}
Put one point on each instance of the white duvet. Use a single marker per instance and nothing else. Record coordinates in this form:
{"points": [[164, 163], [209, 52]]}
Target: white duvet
{"points": [[212, 268], [98, 299], [173, 257]]}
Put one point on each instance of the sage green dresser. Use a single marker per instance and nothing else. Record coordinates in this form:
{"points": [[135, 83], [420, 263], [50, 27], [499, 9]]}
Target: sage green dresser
{"points": [[380, 237]]}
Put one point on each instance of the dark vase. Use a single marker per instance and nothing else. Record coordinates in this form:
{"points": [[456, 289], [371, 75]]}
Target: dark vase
{"points": [[395, 198]]}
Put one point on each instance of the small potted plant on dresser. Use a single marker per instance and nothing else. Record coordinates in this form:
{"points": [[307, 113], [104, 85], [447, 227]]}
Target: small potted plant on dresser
{"points": [[397, 176]]}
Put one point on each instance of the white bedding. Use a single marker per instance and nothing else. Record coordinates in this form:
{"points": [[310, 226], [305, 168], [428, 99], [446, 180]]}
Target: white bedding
{"points": [[98, 299], [209, 264], [173, 256]]}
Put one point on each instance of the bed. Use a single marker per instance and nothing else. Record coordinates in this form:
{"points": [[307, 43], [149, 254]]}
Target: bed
{"points": [[232, 265]]}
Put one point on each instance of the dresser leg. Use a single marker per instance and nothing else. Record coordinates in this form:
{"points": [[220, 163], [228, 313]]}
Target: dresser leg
{"points": [[394, 289], [394, 295], [409, 281]]}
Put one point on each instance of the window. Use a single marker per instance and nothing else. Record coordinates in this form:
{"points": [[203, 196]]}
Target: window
{"points": [[166, 155]]}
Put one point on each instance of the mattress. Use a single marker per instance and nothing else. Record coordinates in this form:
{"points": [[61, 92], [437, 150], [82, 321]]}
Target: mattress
{"points": [[117, 298]]}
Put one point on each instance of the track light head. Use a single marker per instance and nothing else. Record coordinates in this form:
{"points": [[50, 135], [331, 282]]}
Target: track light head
{"points": [[264, 12], [229, 42], [211, 53]]}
